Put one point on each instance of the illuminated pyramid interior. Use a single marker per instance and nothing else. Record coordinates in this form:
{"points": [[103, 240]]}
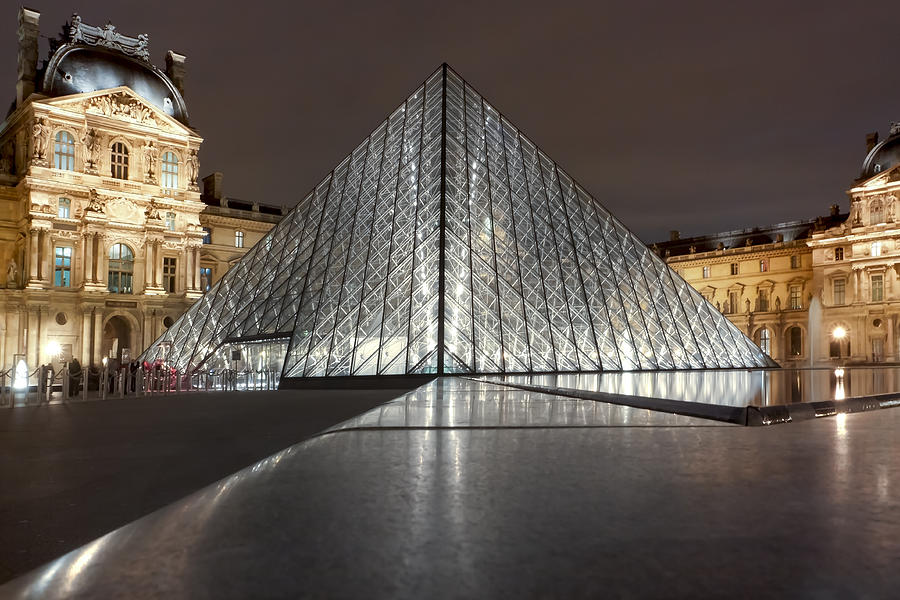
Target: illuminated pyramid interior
{"points": [[447, 243]]}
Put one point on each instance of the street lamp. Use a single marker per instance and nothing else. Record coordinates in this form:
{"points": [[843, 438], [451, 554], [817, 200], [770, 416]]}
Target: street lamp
{"points": [[54, 349], [838, 333]]}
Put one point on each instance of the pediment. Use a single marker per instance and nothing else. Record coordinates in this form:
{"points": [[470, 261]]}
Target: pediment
{"points": [[120, 103], [881, 179]]}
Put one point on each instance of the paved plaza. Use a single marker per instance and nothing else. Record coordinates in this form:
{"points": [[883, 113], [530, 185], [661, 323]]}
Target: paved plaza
{"points": [[470, 489], [72, 472]]}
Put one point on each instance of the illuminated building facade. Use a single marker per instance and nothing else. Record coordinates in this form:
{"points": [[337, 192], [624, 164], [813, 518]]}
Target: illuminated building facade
{"points": [[816, 292], [102, 223], [447, 242]]}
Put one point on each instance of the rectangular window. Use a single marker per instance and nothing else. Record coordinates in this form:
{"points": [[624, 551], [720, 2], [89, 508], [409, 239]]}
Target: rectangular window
{"points": [[238, 239], [763, 301], [734, 268], [839, 286], [838, 254], [733, 302], [876, 248], [62, 268], [795, 261], [205, 278], [64, 210], [764, 265], [795, 297], [207, 235], [169, 274], [170, 221], [877, 288]]}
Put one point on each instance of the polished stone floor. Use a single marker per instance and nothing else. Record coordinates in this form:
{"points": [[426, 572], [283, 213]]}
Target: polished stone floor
{"points": [[72, 472], [467, 489]]}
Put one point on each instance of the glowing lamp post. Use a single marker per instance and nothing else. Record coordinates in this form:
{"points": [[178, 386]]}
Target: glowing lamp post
{"points": [[54, 350]]}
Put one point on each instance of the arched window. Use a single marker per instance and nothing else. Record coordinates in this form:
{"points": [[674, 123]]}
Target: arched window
{"points": [[64, 151], [795, 341], [118, 161], [121, 269], [170, 170], [876, 213], [764, 340]]}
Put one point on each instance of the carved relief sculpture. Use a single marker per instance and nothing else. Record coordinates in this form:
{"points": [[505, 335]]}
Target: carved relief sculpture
{"points": [[90, 140], [41, 135], [193, 166], [121, 106]]}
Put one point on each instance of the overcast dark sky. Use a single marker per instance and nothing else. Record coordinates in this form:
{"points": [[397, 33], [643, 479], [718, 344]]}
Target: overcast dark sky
{"points": [[698, 116]]}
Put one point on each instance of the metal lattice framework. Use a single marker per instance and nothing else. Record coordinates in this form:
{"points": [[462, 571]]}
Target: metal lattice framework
{"points": [[447, 242]]}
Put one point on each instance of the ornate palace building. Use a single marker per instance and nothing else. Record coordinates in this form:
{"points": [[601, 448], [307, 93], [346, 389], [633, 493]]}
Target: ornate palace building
{"points": [[818, 292], [105, 237]]}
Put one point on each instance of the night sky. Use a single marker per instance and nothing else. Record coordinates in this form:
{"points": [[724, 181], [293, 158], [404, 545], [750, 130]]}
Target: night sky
{"points": [[697, 116]]}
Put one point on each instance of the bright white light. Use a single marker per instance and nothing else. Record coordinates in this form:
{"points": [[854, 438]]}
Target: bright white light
{"points": [[20, 381], [53, 348], [105, 361], [839, 333], [839, 372]]}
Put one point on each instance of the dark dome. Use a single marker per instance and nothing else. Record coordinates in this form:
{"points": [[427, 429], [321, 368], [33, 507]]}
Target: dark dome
{"points": [[882, 157], [76, 69]]}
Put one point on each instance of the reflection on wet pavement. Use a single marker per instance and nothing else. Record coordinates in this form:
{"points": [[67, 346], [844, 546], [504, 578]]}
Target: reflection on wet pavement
{"points": [[457, 402]]}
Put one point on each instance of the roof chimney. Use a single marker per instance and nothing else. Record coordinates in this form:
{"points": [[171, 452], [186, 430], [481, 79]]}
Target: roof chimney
{"points": [[175, 70], [28, 53], [871, 141], [835, 210], [674, 235], [212, 185]]}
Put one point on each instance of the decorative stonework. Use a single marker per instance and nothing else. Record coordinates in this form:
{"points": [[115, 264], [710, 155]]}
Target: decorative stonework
{"points": [[40, 132], [122, 209], [121, 106], [151, 155], [96, 204], [108, 37], [90, 142], [193, 167], [152, 212]]}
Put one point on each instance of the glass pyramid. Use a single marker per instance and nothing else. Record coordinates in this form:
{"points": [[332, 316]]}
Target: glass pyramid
{"points": [[447, 242]]}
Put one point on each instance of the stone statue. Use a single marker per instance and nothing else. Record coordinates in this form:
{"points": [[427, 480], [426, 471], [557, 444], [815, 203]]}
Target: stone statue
{"points": [[90, 140], [95, 204], [41, 133], [151, 155], [889, 217], [12, 274], [152, 213], [193, 166]]}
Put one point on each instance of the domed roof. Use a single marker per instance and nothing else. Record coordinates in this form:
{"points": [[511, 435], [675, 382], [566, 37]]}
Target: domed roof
{"points": [[90, 58], [884, 155]]}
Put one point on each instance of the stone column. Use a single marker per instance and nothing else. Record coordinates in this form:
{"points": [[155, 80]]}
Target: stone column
{"points": [[195, 272], [85, 357], [188, 269], [148, 264], [889, 352], [47, 258], [33, 354], [88, 265], [33, 255], [98, 337], [157, 261], [101, 262]]}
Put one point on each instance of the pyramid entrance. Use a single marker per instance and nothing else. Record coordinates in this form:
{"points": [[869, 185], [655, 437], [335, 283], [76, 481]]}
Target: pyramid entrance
{"points": [[447, 242]]}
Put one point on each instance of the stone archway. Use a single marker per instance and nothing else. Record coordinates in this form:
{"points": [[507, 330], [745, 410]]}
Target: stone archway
{"points": [[117, 336]]}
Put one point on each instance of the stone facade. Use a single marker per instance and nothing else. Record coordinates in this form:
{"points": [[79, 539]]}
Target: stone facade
{"points": [[102, 223], [812, 293]]}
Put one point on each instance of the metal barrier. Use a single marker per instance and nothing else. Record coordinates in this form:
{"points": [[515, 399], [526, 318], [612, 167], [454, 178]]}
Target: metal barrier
{"points": [[43, 383]]}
